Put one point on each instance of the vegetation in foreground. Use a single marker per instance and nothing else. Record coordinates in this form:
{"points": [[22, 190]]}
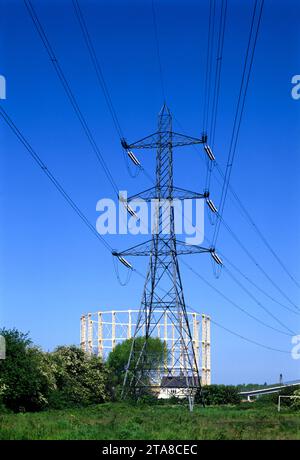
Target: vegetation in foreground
{"points": [[67, 394], [114, 421], [32, 380]]}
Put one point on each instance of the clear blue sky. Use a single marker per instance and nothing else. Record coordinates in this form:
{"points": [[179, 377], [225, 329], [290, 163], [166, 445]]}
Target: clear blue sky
{"points": [[52, 268]]}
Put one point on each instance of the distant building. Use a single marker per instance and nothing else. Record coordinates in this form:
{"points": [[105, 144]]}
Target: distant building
{"points": [[100, 332]]}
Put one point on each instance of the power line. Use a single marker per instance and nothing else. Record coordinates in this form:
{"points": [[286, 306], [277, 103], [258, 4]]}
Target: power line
{"points": [[101, 80], [257, 230], [257, 301], [231, 153], [252, 258], [215, 104], [216, 90], [251, 222], [97, 66], [261, 269], [50, 176], [239, 113], [247, 339], [70, 94], [256, 286], [232, 302], [209, 54], [251, 295]]}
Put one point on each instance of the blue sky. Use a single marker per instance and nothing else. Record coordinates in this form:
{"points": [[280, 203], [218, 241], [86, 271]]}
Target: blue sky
{"points": [[52, 268]]}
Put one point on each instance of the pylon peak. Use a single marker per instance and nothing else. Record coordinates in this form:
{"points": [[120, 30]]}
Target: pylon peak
{"points": [[165, 110]]}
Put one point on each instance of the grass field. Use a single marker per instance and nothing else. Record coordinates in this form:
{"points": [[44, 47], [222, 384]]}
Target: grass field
{"points": [[121, 421]]}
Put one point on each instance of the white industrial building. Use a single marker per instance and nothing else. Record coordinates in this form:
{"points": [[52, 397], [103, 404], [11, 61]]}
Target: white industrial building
{"points": [[101, 331]]}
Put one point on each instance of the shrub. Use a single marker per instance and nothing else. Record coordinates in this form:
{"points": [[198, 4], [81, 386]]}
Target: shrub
{"points": [[25, 377], [80, 379], [221, 394]]}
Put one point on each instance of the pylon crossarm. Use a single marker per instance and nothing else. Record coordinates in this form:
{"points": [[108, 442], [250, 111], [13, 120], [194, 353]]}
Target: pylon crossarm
{"points": [[145, 249], [180, 140], [154, 140], [142, 249], [178, 193], [184, 248], [145, 195], [148, 142], [183, 194]]}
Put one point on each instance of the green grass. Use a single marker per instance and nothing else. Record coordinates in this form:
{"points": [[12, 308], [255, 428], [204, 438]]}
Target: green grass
{"points": [[122, 421]]}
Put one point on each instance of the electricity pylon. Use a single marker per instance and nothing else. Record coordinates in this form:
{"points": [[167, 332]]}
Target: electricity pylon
{"points": [[163, 297]]}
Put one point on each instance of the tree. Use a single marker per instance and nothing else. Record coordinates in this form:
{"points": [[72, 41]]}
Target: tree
{"points": [[25, 379], [80, 379], [118, 358], [32, 380]]}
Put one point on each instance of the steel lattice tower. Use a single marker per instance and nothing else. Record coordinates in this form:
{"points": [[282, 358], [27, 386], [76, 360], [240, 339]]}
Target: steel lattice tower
{"points": [[163, 289]]}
